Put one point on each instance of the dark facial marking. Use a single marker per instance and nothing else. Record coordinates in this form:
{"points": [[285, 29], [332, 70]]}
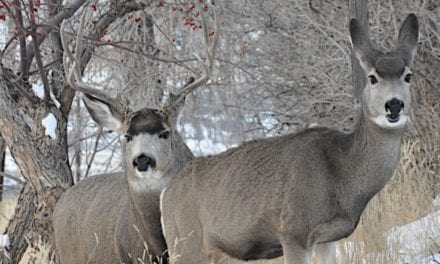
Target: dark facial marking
{"points": [[146, 121], [128, 137], [389, 67], [408, 78], [373, 79], [164, 134]]}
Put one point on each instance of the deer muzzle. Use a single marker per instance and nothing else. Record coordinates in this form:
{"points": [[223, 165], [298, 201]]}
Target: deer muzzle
{"points": [[143, 162], [393, 108]]}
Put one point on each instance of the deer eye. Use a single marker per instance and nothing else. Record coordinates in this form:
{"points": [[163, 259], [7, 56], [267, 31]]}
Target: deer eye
{"points": [[408, 78], [164, 135], [128, 137], [373, 79]]}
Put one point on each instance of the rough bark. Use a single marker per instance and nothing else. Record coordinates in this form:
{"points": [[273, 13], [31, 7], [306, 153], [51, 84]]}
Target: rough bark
{"points": [[2, 164], [42, 160]]}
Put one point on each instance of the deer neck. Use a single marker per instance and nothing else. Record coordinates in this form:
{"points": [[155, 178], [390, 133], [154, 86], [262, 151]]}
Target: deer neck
{"points": [[371, 158], [145, 199]]}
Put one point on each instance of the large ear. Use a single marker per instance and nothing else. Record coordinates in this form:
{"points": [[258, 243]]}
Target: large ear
{"points": [[408, 38], [103, 113], [360, 41]]}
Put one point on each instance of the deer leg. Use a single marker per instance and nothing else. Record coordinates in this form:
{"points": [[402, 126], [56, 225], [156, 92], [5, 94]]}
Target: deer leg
{"points": [[336, 228], [324, 253], [217, 257], [295, 253]]}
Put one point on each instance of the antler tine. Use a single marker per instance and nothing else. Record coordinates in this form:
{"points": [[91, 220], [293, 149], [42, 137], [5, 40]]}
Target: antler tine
{"points": [[208, 63], [72, 62]]}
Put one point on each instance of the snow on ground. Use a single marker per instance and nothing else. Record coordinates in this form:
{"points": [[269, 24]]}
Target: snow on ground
{"points": [[417, 240]]}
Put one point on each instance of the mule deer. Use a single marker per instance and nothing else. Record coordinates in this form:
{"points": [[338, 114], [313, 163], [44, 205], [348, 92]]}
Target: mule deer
{"points": [[115, 218], [285, 195]]}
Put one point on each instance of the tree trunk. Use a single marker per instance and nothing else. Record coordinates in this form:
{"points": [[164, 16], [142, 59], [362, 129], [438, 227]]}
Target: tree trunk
{"points": [[42, 158], [43, 162], [2, 165]]}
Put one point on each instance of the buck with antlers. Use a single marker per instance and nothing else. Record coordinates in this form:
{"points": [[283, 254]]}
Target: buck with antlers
{"points": [[286, 195], [115, 218]]}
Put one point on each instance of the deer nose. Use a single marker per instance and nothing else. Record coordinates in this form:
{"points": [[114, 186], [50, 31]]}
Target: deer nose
{"points": [[142, 162], [394, 107]]}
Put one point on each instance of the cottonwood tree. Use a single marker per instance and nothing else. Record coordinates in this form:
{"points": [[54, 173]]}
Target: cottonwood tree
{"points": [[35, 127]]}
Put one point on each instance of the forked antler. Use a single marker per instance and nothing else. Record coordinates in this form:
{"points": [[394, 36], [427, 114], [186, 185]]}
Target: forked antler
{"points": [[73, 72], [208, 64]]}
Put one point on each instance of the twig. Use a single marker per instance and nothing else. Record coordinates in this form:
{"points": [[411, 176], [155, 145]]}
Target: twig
{"points": [[12, 177], [95, 148], [49, 26], [40, 66], [18, 18]]}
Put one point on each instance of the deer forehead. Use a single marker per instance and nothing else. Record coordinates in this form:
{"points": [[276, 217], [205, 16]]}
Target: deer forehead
{"points": [[147, 121], [149, 144], [390, 67]]}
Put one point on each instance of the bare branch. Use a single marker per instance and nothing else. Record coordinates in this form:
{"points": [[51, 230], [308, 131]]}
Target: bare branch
{"points": [[72, 63], [40, 65], [18, 17], [50, 25], [207, 64], [18, 20], [95, 150], [12, 177]]}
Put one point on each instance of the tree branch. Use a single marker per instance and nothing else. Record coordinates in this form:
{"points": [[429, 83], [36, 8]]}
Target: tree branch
{"points": [[40, 66], [48, 27], [18, 18], [116, 10]]}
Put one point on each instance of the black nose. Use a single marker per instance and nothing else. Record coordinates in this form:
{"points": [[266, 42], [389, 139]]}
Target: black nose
{"points": [[394, 106], [142, 162]]}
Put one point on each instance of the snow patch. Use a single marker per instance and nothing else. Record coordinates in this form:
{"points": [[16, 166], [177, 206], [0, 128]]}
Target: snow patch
{"points": [[416, 241], [50, 124], [55, 100], [38, 90], [4, 241]]}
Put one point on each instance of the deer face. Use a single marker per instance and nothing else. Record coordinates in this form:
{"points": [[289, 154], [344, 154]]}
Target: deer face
{"points": [[149, 139], [386, 98], [148, 147]]}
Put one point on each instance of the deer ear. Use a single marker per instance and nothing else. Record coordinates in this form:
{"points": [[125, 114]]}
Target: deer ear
{"points": [[360, 41], [408, 38], [103, 113]]}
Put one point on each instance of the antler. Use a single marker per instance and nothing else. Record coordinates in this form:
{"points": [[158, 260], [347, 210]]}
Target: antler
{"points": [[207, 64], [72, 62]]}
